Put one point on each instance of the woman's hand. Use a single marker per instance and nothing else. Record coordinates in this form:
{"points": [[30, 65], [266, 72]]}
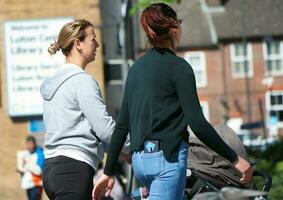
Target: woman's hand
{"points": [[104, 185], [245, 168]]}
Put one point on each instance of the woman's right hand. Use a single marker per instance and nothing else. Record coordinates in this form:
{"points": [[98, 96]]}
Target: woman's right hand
{"points": [[104, 185], [245, 168]]}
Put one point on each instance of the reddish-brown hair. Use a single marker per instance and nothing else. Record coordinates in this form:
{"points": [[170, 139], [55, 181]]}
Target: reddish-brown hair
{"points": [[156, 20]]}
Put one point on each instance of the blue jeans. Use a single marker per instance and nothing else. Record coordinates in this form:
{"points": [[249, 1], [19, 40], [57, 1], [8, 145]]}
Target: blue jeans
{"points": [[34, 193], [164, 180]]}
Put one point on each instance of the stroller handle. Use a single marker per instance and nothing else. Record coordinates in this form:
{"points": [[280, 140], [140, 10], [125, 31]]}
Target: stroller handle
{"points": [[267, 179]]}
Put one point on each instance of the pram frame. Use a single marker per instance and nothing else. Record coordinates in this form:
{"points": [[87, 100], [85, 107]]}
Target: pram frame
{"points": [[206, 180]]}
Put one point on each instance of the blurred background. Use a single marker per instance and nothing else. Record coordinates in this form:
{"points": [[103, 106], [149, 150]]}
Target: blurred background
{"points": [[234, 46]]}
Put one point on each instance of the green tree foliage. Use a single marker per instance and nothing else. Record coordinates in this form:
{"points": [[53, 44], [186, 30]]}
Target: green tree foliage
{"points": [[141, 4], [276, 191], [271, 161]]}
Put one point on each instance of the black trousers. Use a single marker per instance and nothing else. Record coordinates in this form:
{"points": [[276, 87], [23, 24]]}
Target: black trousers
{"points": [[67, 179]]}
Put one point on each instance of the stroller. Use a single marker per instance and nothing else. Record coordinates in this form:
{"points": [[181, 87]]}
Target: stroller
{"points": [[209, 172]]}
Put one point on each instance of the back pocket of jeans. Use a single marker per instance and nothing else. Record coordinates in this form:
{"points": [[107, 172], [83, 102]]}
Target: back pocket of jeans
{"points": [[153, 163]]}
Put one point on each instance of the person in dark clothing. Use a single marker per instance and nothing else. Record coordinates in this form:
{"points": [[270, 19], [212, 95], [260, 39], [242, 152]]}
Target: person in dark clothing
{"points": [[160, 100]]}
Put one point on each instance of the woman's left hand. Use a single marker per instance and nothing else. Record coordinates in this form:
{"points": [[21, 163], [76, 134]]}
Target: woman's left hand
{"points": [[104, 185]]}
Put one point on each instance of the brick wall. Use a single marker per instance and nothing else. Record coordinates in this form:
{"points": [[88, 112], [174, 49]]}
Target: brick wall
{"points": [[237, 87], [14, 131], [214, 89], [218, 66]]}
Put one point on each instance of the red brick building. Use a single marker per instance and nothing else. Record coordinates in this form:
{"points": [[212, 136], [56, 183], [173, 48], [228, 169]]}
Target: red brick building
{"points": [[14, 130], [220, 38]]}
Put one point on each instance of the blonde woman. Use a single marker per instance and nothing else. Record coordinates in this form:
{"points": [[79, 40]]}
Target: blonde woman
{"points": [[77, 122]]}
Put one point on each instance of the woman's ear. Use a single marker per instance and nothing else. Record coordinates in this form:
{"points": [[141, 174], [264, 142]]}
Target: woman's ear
{"points": [[77, 44], [174, 33]]}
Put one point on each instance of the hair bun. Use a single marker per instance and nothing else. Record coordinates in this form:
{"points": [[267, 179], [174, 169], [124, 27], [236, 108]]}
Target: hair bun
{"points": [[54, 47]]}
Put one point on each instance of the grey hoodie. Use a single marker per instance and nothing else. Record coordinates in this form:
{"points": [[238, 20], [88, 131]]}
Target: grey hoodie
{"points": [[75, 116]]}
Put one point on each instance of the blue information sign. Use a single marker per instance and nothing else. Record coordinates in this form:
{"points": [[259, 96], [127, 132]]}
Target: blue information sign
{"points": [[36, 126]]}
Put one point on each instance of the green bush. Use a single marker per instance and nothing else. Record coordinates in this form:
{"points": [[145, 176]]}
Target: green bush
{"points": [[276, 191], [278, 169], [271, 161]]}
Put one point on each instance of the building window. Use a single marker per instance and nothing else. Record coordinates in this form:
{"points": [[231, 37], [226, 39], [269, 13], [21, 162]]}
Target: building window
{"points": [[240, 57], [205, 109], [197, 61], [273, 56], [115, 73], [274, 107]]}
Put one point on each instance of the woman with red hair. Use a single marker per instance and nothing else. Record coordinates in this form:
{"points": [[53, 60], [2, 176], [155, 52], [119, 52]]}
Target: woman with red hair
{"points": [[160, 100]]}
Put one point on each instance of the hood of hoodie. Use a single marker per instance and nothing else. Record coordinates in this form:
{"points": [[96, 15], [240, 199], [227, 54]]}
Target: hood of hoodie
{"points": [[51, 85]]}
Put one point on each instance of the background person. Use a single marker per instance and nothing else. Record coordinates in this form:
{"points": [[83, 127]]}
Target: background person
{"points": [[30, 166]]}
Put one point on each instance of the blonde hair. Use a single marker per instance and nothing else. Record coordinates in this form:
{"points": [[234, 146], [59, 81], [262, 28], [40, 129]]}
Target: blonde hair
{"points": [[68, 34]]}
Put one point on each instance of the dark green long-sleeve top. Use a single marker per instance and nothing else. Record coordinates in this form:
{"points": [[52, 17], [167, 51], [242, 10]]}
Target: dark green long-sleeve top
{"points": [[160, 100]]}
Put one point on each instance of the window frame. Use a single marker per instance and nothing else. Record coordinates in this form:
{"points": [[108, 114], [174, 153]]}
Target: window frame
{"points": [[270, 107], [235, 58], [124, 70], [203, 66], [205, 109], [272, 57]]}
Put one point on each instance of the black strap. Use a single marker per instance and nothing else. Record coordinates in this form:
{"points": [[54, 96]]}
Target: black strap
{"points": [[131, 182]]}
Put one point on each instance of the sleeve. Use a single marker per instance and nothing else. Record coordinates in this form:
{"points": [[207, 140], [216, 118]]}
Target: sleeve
{"points": [[126, 148], [119, 137], [40, 157], [36, 162], [93, 107], [184, 80]]}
